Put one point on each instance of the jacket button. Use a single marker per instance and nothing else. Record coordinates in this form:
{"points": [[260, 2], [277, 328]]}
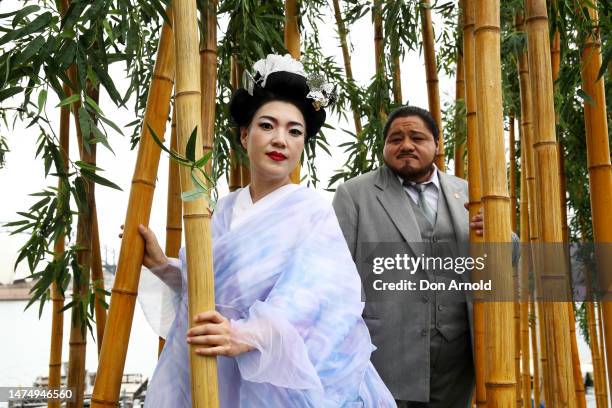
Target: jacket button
{"points": [[434, 239], [439, 325], [439, 307], [424, 332]]}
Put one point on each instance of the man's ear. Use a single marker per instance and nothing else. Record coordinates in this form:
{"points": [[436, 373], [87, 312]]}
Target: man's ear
{"points": [[243, 136]]}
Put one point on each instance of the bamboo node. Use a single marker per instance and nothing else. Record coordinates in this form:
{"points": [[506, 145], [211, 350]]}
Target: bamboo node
{"points": [[493, 28], [536, 18], [124, 292], [76, 343], [144, 182], [501, 384], [496, 197], [104, 402], [599, 166], [195, 216], [170, 228], [163, 78], [545, 143], [185, 93]]}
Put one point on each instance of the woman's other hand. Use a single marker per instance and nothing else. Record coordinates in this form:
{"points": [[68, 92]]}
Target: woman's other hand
{"points": [[153, 254], [214, 331]]}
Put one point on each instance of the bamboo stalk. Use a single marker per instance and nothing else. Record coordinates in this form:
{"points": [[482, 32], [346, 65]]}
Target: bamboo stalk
{"points": [[602, 367], [534, 237], [208, 79], [499, 374], [397, 77], [599, 385], [292, 44], [123, 298], [174, 208], [534, 347], [524, 266], [234, 182], [512, 173], [57, 297], [474, 185], [600, 169], [97, 279], [431, 73], [378, 37], [578, 380], [554, 277], [84, 239], [196, 214], [459, 96], [346, 57]]}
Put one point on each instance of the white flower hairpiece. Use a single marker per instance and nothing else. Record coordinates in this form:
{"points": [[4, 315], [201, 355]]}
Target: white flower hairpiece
{"points": [[321, 92]]}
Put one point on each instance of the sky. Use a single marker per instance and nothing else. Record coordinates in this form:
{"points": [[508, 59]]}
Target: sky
{"points": [[23, 174]]}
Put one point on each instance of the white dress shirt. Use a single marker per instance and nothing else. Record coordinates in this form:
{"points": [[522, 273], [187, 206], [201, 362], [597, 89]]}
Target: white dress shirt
{"points": [[432, 191]]}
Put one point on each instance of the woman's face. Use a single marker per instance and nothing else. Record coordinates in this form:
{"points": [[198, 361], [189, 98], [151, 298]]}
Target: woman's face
{"points": [[274, 140]]}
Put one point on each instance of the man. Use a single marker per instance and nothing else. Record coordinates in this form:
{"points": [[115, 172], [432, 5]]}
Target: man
{"points": [[424, 350]]}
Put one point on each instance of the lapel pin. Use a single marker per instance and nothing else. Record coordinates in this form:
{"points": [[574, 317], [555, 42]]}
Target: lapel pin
{"points": [[457, 195]]}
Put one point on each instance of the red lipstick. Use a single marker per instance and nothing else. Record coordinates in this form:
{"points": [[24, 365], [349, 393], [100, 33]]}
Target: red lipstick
{"points": [[276, 156]]}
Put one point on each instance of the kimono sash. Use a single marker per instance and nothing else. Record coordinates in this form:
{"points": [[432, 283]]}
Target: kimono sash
{"points": [[287, 282]]}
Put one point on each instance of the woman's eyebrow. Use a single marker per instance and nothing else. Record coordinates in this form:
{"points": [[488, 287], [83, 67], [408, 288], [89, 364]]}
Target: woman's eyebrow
{"points": [[294, 123]]}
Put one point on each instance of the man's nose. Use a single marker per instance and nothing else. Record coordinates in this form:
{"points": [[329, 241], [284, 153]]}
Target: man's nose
{"points": [[407, 145]]}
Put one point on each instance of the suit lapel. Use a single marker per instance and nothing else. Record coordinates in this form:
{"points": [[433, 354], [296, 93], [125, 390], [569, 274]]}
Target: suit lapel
{"points": [[394, 200]]}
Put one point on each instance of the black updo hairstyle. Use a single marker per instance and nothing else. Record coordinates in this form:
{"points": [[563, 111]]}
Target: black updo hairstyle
{"points": [[280, 86]]}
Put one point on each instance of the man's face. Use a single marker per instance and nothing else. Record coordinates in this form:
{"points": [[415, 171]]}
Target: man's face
{"points": [[410, 148]]}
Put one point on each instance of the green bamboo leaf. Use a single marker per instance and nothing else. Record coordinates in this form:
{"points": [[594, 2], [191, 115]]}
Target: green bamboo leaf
{"points": [[86, 166], [36, 25], [30, 51], [67, 101], [172, 153], [91, 102], [20, 14], [203, 160], [42, 100], [99, 179], [7, 93], [16, 223], [191, 143], [111, 124]]}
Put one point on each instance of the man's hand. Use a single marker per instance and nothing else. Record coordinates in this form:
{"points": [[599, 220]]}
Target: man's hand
{"points": [[214, 331], [153, 254], [477, 221]]}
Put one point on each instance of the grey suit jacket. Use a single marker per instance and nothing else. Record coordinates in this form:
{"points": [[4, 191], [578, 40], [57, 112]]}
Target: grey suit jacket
{"points": [[374, 208]]}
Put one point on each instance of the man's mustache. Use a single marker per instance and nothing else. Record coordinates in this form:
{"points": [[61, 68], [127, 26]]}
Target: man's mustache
{"points": [[402, 155]]}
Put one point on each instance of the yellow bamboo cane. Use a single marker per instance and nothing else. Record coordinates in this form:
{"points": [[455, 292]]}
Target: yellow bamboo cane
{"points": [[474, 185], [527, 125], [499, 374], [459, 98], [97, 279], [196, 214], [431, 73], [553, 274], [524, 266], [57, 297], [292, 44], [602, 353], [512, 173], [78, 334], [123, 298], [600, 170], [533, 311], [346, 57], [208, 80], [234, 179], [174, 208]]}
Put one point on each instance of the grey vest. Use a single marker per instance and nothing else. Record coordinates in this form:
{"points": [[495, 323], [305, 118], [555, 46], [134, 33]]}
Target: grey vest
{"points": [[448, 308]]}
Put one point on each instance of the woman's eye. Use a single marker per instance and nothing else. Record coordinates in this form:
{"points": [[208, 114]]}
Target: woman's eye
{"points": [[296, 132], [265, 125]]}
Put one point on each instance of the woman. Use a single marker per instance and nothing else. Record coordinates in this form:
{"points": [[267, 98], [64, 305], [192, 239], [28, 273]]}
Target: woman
{"points": [[287, 330]]}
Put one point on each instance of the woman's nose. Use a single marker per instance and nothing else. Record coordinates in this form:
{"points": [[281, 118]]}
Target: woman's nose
{"points": [[280, 138]]}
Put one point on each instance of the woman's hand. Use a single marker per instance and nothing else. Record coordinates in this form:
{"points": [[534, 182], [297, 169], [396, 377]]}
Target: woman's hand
{"points": [[215, 332], [153, 254]]}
